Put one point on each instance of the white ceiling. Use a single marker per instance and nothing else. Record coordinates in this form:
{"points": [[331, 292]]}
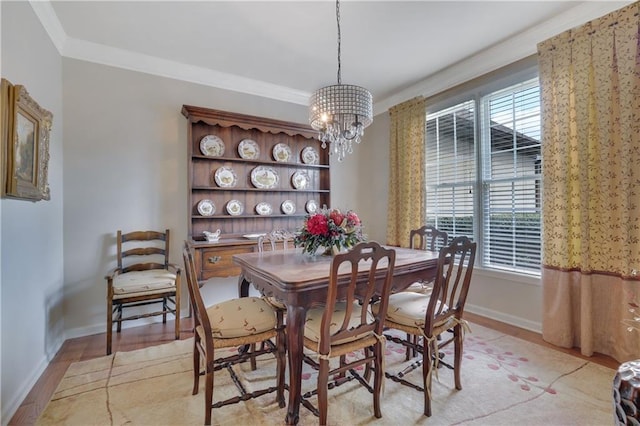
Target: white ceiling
{"points": [[286, 50]]}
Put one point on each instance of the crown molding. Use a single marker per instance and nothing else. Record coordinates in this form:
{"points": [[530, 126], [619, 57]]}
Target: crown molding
{"points": [[101, 54]]}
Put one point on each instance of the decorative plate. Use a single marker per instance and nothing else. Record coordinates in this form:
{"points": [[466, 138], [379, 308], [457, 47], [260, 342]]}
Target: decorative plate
{"points": [[212, 146], [288, 207], [225, 177], [264, 209], [248, 149], [309, 155], [311, 206], [235, 208], [300, 180], [281, 152], [253, 236], [206, 208], [264, 177]]}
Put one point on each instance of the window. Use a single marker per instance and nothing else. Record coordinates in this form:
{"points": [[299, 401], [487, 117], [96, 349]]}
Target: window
{"points": [[483, 170]]}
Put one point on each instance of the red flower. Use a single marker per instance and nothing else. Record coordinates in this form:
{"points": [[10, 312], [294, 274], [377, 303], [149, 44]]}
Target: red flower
{"points": [[317, 224], [353, 218], [336, 216]]}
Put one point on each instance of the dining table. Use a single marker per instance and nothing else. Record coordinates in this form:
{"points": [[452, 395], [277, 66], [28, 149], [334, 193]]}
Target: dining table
{"points": [[300, 281]]}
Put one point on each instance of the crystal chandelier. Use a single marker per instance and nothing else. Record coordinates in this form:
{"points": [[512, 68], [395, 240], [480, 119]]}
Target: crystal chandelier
{"points": [[340, 112]]}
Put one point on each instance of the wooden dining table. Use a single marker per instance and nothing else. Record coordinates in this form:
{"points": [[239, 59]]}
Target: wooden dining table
{"points": [[300, 281]]}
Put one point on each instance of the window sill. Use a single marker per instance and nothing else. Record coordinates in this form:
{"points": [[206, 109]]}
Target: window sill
{"points": [[505, 275]]}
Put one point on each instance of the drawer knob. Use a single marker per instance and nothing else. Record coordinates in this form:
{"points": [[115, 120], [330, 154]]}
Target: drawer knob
{"points": [[214, 259]]}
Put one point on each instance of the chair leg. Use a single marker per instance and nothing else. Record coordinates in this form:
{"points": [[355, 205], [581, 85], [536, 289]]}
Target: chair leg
{"points": [[377, 379], [281, 359], [119, 320], [109, 326], [177, 323], [427, 366], [196, 366], [323, 383], [165, 306], [457, 362], [208, 392], [253, 357]]}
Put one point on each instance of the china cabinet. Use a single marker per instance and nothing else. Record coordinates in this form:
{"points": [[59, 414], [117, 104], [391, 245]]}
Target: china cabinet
{"points": [[247, 176]]}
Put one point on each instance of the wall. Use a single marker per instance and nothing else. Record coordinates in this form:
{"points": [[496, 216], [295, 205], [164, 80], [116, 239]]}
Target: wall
{"points": [[126, 168], [31, 233]]}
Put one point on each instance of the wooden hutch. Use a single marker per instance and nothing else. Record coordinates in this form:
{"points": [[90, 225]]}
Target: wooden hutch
{"points": [[247, 176]]}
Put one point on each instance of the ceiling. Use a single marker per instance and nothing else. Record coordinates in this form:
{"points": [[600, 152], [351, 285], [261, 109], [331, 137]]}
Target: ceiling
{"points": [[286, 50]]}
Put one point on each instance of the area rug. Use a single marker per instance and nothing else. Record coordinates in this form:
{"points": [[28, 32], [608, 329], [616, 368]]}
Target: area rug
{"points": [[505, 381]]}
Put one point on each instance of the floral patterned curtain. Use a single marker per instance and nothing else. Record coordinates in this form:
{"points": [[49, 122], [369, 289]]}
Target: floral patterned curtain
{"points": [[406, 208], [590, 82]]}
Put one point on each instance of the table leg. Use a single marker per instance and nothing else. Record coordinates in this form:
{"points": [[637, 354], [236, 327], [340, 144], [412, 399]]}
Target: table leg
{"points": [[296, 316]]}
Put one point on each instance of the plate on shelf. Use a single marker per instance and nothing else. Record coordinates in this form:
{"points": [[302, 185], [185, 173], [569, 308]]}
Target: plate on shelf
{"points": [[235, 208], [206, 208], [288, 207], [212, 146], [311, 206], [264, 209], [300, 180], [253, 236], [225, 177], [248, 149], [281, 152], [264, 177], [309, 155]]}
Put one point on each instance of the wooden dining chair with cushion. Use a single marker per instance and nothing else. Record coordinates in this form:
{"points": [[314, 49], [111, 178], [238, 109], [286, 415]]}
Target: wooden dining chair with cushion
{"points": [[432, 315], [424, 238], [232, 324], [143, 276], [278, 239], [339, 328]]}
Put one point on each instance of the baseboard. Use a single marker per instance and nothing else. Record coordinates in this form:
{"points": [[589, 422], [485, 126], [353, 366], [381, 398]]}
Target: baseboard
{"points": [[506, 318]]}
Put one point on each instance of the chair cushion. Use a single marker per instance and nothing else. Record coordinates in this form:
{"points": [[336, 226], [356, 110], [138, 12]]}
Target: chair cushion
{"points": [[144, 281], [420, 287], [409, 308], [244, 316], [314, 321]]}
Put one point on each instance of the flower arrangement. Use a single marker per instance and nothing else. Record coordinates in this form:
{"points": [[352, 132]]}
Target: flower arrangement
{"points": [[331, 229]]}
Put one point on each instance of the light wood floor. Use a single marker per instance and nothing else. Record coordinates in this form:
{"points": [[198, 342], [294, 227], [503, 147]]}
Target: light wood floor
{"points": [[89, 347]]}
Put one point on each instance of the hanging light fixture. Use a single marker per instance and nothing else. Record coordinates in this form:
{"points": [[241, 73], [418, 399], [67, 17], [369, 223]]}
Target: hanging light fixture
{"points": [[340, 112]]}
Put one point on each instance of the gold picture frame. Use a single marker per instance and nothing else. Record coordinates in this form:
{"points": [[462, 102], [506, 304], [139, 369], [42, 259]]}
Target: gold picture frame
{"points": [[25, 132]]}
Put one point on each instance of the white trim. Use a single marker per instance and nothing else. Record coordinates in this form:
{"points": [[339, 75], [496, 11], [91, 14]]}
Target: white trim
{"points": [[9, 410], [49, 20]]}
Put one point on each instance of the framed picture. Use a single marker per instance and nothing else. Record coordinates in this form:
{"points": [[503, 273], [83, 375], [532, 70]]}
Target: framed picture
{"points": [[27, 149]]}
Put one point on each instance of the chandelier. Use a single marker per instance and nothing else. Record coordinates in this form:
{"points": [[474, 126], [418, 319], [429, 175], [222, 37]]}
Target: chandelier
{"points": [[340, 112]]}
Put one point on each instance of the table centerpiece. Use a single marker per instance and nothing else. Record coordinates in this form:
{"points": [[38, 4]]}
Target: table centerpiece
{"points": [[331, 229]]}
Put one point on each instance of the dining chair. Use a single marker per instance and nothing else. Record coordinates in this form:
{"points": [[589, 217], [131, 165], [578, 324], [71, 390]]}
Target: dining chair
{"points": [[232, 324], [278, 239], [143, 276], [349, 325], [427, 237], [433, 315]]}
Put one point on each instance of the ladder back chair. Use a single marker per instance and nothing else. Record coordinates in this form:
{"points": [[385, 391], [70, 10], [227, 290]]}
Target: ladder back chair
{"points": [[431, 315], [143, 276], [232, 324], [342, 327]]}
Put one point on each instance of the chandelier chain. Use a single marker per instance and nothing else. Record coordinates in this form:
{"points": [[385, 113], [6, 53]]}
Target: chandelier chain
{"points": [[339, 40]]}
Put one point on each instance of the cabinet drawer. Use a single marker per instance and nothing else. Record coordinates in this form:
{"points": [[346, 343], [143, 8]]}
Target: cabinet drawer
{"points": [[218, 261]]}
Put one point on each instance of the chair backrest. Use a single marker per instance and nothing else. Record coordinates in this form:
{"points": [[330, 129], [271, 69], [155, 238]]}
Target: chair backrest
{"points": [[428, 238], [450, 288], [142, 250], [368, 262], [200, 317], [276, 238]]}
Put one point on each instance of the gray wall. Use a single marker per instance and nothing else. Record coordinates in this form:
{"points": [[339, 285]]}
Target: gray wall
{"points": [[31, 234]]}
